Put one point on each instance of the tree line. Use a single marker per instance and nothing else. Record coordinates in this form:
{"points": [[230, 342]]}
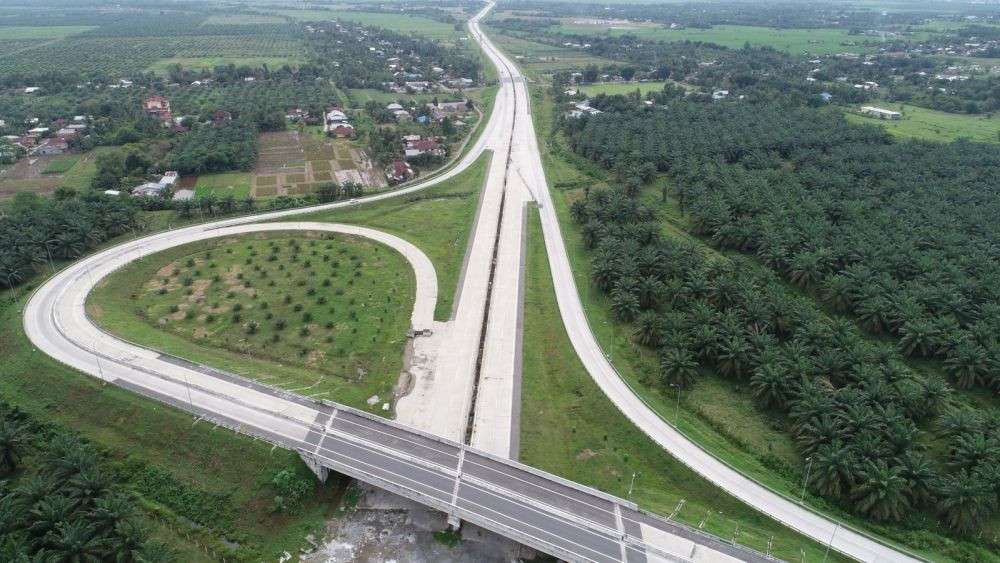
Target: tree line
{"points": [[35, 232]]}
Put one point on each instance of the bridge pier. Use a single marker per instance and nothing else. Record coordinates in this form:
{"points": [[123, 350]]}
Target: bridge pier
{"points": [[322, 473], [454, 522]]}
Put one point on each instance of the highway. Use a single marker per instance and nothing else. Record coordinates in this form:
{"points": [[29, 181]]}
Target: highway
{"points": [[540, 510]]}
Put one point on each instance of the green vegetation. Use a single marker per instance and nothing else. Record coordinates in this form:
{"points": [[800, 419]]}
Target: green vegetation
{"points": [[612, 88], [322, 314], [61, 164], [205, 492], [400, 23], [536, 58], [749, 435], [568, 427], [932, 125], [12, 33], [438, 220], [163, 66], [813, 41], [236, 184]]}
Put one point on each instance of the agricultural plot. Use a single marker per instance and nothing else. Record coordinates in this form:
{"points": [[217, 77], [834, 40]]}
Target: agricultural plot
{"points": [[20, 33], [536, 57], [291, 163], [32, 174], [236, 184], [814, 41], [614, 88], [400, 23], [932, 125], [123, 55], [321, 314]]}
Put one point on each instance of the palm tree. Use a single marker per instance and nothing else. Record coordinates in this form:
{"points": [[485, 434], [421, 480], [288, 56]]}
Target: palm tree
{"points": [[967, 363], [772, 385], [73, 542], [109, 511], [13, 441], [965, 501], [818, 430], [128, 542], [920, 476], [918, 337], [834, 468], [881, 492], [47, 514], [734, 355], [648, 329], [973, 449], [678, 366]]}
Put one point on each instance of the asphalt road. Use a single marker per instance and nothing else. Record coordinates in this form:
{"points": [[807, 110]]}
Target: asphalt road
{"points": [[56, 323]]}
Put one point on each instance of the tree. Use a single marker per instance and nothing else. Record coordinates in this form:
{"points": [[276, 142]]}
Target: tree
{"points": [[965, 501], [772, 385], [678, 367], [13, 442], [834, 469], [74, 542], [881, 492]]}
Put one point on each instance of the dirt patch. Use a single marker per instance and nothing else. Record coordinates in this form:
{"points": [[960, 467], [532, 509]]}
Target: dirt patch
{"points": [[586, 454]]}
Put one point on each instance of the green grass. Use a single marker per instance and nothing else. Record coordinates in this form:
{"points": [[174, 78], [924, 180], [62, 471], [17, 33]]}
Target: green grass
{"points": [[538, 58], [613, 88], [197, 468], [814, 41], [242, 19], [360, 96], [236, 184], [399, 23], [932, 125], [438, 220], [326, 317], [208, 63], [79, 176], [61, 164], [41, 32], [568, 427]]}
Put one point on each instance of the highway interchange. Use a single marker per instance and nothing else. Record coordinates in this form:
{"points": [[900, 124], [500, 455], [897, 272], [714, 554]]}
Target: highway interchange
{"points": [[470, 363]]}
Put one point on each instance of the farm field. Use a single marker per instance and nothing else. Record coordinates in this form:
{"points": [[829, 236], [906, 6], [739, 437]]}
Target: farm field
{"points": [[10, 33], [324, 315], [438, 220], [123, 55], [42, 175], [61, 164], [208, 63], [538, 58], [815, 41], [400, 23], [613, 88], [293, 163], [932, 125], [236, 184]]}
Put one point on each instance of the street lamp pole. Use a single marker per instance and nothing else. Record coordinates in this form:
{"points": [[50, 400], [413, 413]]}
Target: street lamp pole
{"points": [[806, 480], [631, 486]]}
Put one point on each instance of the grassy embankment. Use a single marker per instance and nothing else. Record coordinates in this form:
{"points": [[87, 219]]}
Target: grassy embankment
{"points": [[320, 314], [932, 125], [716, 413], [438, 220], [204, 491]]}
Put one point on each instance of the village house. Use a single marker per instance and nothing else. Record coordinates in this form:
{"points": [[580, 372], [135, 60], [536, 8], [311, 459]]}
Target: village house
{"points": [[880, 113], [51, 146], [158, 107], [341, 131], [413, 149], [398, 172]]}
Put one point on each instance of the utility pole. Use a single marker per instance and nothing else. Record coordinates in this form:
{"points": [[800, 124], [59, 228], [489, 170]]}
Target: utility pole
{"points": [[829, 543], [806, 480], [631, 486], [677, 409]]}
